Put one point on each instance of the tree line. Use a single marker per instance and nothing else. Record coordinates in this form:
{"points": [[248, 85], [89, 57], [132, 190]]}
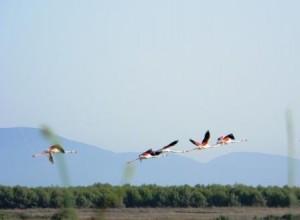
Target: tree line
{"points": [[108, 196]]}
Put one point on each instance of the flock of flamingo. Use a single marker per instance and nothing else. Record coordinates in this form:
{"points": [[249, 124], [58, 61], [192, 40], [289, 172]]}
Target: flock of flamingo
{"points": [[204, 144]]}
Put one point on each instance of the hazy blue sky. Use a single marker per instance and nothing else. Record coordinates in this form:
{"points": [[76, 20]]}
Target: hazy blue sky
{"points": [[128, 75]]}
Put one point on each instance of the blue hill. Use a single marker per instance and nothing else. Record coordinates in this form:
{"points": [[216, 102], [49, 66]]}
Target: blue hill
{"points": [[93, 164]]}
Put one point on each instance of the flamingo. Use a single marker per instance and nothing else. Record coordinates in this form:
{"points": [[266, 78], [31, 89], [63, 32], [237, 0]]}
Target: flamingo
{"points": [[154, 154], [228, 139], [204, 144], [54, 149]]}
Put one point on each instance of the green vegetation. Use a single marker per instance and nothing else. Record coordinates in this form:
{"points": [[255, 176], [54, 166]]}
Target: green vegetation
{"points": [[108, 196]]}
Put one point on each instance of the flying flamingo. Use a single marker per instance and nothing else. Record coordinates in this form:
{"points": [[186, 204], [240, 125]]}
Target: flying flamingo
{"points": [[54, 149], [228, 139], [203, 145], [154, 154]]}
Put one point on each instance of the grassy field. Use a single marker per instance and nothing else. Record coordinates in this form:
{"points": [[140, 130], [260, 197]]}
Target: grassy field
{"points": [[154, 213]]}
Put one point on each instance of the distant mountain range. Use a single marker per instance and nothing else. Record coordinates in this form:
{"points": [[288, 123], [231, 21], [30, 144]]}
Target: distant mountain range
{"points": [[95, 165]]}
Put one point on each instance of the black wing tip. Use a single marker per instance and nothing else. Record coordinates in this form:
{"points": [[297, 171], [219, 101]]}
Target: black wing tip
{"points": [[207, 134], [174, 142], [231, 136], [171, 144], [193, 142], [51, 159]]}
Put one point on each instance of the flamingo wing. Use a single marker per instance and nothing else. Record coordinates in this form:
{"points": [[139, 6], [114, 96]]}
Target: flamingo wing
{"points": [[57, 147], [206, 138], [170, 145], [150, 151], [51, 158], [231, 136], [195, 142]]}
